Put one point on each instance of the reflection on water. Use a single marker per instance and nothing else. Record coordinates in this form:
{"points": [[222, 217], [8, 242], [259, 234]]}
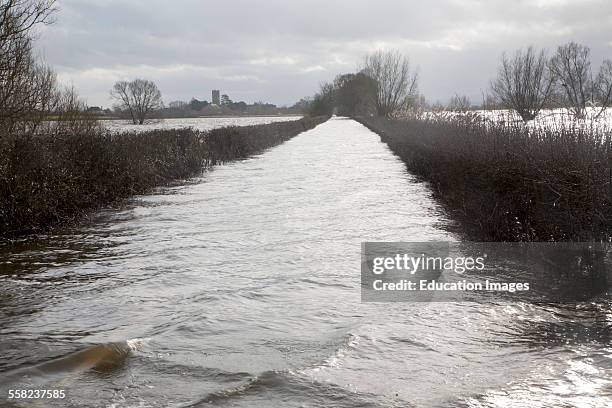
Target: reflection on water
{"points": [[242, 289]]}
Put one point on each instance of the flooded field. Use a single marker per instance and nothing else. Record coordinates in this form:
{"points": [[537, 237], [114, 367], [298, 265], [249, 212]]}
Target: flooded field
{"points": [[205, 123]]}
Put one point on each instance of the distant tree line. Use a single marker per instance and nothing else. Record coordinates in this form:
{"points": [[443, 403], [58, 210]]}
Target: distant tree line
{"points": [[140, 99], [228, 107]]}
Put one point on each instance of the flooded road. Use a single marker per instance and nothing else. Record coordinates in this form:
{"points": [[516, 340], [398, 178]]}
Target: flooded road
{"points": [[242, 289]]}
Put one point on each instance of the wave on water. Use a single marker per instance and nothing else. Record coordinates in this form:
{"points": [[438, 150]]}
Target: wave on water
{"points": [[348, 344], [103, 357], [300, 387], [278, 388]]}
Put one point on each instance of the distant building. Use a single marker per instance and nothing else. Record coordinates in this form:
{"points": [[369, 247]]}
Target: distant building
{"points": [[95, 110], [216, 97]]}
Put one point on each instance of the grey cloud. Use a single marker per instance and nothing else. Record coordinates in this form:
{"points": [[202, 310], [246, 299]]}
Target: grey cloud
{"points": [[281, 50]]}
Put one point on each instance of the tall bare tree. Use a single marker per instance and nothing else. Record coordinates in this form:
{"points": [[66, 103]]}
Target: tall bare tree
{"points": [[603, 87], [397, 86], [139, 97], [572, 69], [27, 87], [524, 82]]}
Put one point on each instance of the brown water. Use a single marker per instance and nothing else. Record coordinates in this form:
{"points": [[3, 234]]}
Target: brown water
{"points": [[242, 289]]}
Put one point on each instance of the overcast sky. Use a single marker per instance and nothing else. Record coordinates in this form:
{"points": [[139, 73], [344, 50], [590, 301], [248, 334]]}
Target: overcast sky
{"points": [[280, 50]]}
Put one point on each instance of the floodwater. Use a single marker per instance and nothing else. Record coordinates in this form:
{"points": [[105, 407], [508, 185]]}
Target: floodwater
{"points": [[242, 289], [203, 123]]}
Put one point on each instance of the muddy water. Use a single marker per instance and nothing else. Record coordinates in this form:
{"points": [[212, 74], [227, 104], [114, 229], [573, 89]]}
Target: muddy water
{"points": [[241, 289]]}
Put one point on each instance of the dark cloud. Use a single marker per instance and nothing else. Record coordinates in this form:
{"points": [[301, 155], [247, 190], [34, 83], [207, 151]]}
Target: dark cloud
{"points": [[280, 51]]}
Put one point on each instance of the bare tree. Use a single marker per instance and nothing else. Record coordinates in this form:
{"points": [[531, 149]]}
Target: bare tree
{"points": [[72, 115], [18, 17], [397, 86], [489, 101], [572, 70], [139, 97], [603, 87], [524, 82], [459, 103], [27, 87]]}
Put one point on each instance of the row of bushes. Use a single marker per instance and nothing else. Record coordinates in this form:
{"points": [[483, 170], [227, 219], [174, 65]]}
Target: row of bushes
{"points": [[56, 177], [505, 182]]}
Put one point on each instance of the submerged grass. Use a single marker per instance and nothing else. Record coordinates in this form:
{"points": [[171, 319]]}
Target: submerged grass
{"points": [[505, 182], [54, 178]]}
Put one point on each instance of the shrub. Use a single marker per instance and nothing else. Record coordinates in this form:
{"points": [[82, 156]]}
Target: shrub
{"points": [[505, 182]]}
